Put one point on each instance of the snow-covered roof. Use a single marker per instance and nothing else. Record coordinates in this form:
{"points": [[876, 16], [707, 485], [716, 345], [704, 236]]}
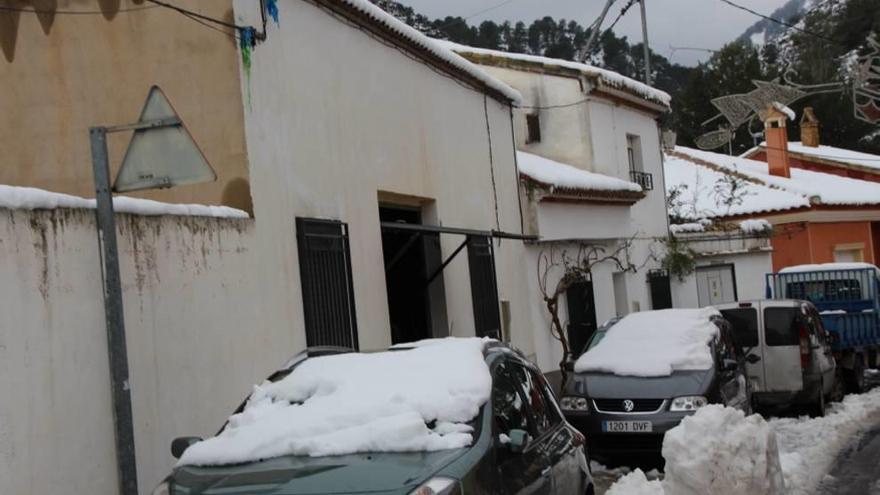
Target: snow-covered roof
{"points": [[654, 343], [827, 153], [29, 198], [605, 77], [434, 47], [419, 399], [699, 198], [812, 187], [561, 177]]}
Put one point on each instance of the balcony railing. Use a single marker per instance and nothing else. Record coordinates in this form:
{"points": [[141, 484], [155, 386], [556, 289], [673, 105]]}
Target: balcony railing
{"points": [[643, 179]]}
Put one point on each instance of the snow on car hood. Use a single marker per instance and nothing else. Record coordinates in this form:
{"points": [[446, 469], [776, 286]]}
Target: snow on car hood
{"points": [[350, 403], [654, 343]]}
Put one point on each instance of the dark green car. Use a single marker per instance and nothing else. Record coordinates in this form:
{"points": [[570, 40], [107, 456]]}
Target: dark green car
{"points": [[522, 445]]}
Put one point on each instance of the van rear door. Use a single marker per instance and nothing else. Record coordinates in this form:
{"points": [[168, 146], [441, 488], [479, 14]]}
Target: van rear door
{"points": [[744, 320], [782, 352]]}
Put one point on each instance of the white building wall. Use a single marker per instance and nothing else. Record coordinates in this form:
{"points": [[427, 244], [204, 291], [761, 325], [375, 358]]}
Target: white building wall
{"points": [[197, 341]]}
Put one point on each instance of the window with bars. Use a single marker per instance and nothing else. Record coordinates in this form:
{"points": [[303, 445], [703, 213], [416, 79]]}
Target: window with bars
{"points": [[484, 288], [327, 290]]}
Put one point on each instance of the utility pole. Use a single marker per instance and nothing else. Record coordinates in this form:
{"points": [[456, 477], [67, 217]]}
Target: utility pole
{"points": [[594, 33], [645, 43]]}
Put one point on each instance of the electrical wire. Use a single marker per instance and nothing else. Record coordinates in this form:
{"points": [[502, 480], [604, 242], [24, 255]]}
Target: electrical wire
{"points": [[551, 107], [75, 12], [622, 13], [190, 13], [475, 14], [782, 23], [213, 28]]}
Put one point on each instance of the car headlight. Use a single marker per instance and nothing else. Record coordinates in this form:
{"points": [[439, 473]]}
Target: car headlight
{"points": [[688, 403], [438, 486], [574, 404], [163, 489]]}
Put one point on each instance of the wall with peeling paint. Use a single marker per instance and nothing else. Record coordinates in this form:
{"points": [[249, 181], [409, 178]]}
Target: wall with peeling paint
{"points": [[198, 339]]}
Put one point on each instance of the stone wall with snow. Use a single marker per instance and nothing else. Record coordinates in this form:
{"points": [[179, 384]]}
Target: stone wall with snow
{"points": [[197, 339]]}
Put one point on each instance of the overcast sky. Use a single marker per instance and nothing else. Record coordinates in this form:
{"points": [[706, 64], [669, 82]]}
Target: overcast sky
{"points": [[679, 23]]}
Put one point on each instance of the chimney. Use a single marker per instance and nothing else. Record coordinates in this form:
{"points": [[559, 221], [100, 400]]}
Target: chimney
{"points": [[776, 134], [809, 128]]}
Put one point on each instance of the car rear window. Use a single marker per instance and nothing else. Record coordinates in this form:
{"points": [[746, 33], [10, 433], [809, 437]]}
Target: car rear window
{"points": [[780, 326], [745, 325]]}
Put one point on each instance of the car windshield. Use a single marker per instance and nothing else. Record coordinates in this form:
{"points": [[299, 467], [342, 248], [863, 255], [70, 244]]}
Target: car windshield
{"points": [[597, 337]]}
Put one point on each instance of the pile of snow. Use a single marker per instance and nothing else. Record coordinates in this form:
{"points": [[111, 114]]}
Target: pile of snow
{"points": [[691, 227], [636, 483], [827, 267], [437, 48], [564, 176], [755, 226], [29, 198], [720, 450], [696, 184], [654, 343], [606, 77], [351, 403], [809, 447]]}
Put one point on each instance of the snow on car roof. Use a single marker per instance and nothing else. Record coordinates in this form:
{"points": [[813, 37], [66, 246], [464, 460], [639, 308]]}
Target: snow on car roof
{"points": [[356, 402], [824, 267], [654, 343]]}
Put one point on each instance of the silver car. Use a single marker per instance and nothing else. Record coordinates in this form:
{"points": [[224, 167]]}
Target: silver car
{"points": [[797, 367]]}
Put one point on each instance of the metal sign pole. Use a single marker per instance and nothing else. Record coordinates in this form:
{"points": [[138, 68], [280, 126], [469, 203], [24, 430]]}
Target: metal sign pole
{"points": [[116, 346]]}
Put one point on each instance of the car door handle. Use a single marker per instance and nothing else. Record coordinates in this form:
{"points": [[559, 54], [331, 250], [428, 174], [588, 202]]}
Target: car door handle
{"points": [[546, 472]]}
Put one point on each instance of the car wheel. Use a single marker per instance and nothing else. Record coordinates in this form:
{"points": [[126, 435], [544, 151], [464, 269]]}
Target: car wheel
{"points": [[817, 409]]}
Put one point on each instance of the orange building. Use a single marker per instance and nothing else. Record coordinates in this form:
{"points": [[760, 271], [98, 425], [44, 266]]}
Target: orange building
{"points": [[819, 215]]}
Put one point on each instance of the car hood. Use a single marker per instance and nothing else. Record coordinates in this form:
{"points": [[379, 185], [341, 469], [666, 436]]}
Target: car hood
{"points": [[357, 473], [609, 386]]}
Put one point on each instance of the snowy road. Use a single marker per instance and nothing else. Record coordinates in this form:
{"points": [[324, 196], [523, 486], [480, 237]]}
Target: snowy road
{"points": [[856, 472]]}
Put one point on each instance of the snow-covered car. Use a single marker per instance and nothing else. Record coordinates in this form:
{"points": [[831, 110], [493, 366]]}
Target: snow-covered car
{"points": [[797, 367], [444, 416], [639, 376]]}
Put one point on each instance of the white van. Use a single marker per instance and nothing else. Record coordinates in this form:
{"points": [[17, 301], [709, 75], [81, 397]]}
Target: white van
{"points": [[796, 366]]}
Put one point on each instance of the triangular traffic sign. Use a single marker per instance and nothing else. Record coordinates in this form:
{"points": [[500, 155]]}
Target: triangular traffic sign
{"points": [[163, 156]]}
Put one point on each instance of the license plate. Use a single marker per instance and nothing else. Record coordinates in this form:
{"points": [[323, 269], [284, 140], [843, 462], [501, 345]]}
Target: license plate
{"points": [[627, 426]]}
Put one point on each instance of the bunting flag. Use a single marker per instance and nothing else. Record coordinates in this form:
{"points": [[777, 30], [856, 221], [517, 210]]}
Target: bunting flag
{"points": [[272, 10]]}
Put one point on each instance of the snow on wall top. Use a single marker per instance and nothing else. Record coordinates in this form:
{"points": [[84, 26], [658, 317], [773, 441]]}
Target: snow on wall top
{"points": [[829, 153], [696, 185], [323, 408], [564, 176], [819, 187], [29, 198], [433, 46], [607, 77], [654, 343]]}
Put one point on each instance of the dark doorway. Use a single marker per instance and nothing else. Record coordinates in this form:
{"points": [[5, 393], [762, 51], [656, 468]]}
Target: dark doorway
{"points": [[410, 258], [661, 291], [484, 287], [581, 315]]}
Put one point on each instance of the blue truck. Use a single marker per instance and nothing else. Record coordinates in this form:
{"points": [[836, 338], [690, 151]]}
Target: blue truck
{"points": [[847, 296]]}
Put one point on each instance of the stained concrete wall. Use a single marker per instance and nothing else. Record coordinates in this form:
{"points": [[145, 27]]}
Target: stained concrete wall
{"points": [[63, 73], [197, 341]]}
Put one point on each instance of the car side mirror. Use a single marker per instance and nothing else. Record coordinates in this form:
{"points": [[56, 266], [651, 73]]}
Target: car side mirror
{"points": [[519, 440], [752, 359], [180, 444], [568, 366], [730, 365]]}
